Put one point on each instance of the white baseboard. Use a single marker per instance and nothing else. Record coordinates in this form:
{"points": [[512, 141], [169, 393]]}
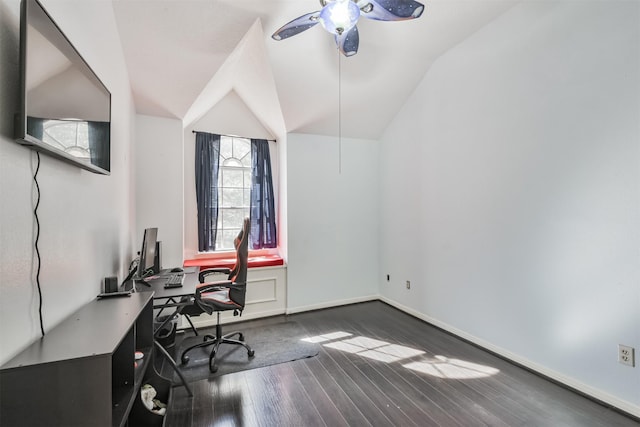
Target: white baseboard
{"points": [[204, 321], [623, 405], [331, 304]]}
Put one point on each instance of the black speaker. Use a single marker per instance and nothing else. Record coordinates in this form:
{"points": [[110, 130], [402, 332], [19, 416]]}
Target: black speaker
{"points": [[110, 284], [157, 258]]}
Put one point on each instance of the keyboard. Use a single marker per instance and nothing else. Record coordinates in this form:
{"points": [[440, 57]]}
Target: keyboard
{"points": [[174, 280]]}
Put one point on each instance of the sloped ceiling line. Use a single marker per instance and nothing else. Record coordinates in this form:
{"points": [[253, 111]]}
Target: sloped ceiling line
{"points": [[183, 56]]}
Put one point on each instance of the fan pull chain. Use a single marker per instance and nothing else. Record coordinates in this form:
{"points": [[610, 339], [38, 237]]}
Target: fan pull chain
{"points": [[339, 112]]}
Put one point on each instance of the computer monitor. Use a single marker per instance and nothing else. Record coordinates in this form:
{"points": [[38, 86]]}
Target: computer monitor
{"points": [[147, 253]]}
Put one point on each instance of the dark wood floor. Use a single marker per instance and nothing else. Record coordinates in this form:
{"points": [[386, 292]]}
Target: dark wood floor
{"points": [[391, 370]]}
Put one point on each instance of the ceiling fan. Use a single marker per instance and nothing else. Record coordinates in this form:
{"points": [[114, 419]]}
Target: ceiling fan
{"points": [[339, 17]]}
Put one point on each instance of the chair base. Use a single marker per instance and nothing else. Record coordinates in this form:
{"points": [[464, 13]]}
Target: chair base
{"points": [[215, 341]]}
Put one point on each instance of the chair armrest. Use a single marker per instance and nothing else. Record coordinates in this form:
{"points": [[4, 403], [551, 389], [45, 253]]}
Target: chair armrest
{"points": [[212, 286], [208, 271]]}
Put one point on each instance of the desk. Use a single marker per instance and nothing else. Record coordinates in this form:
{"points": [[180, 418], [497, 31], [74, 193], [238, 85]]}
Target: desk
{"points": [[166, 298], [160, 292], [83, 371]]}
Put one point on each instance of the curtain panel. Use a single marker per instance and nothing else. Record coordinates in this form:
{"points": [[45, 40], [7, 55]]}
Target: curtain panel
{"points": [[263, 218], [207, 160]]}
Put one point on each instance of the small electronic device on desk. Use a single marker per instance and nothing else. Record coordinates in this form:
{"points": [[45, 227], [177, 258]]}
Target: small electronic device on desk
{"points": [[110, 289]]}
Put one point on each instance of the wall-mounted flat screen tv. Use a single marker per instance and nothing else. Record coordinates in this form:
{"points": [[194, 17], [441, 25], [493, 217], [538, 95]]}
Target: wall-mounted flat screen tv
{"points": [[65, 109]]}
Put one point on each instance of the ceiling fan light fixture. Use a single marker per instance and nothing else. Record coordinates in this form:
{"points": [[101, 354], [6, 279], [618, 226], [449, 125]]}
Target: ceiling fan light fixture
{"points": [[339, 16], [367, 8], [417, 12]]}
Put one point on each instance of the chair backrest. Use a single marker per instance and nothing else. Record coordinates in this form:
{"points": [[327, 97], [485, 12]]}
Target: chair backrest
{"points": [[239, 273], [241, 242]]}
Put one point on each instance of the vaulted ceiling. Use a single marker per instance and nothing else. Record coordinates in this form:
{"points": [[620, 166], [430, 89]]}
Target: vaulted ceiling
{"points": [[183, 56]]}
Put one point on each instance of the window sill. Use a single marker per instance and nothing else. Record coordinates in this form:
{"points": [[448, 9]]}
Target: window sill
{"points": [[228, 259]]}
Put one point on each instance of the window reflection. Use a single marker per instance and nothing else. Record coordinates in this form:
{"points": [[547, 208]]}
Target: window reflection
{"points": [[72, 137]]}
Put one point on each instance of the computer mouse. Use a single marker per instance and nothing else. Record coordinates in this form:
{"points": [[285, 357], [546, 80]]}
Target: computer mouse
{"points": [[176, 270]]}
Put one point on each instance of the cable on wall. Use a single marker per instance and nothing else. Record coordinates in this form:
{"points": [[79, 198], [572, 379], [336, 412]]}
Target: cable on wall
{"points": [[35, 215]]}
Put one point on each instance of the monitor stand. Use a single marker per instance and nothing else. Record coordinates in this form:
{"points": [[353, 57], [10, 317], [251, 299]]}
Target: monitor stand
{"points": [[131, 279], [137, 279]]}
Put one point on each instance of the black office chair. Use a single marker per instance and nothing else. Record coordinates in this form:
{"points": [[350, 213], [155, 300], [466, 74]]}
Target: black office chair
{"points": [[221, 296]]}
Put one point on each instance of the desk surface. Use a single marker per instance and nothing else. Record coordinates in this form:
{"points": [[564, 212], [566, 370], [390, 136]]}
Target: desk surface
{"points": [[157, 286], [95, 329]]}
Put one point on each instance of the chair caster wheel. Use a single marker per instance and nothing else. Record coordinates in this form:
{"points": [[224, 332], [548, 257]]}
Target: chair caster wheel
{"points": [[213, 369], [184, 360], [251, 353]]}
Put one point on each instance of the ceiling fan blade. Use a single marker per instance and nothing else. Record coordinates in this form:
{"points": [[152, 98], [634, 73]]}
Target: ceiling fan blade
{"points": [[390, 10], [296, 26], [348, 42]]}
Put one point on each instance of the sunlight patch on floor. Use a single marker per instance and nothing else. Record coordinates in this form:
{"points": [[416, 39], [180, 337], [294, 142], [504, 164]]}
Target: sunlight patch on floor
{"points": [[444, 367], [375, 349], [438, 366], [327, 337]]}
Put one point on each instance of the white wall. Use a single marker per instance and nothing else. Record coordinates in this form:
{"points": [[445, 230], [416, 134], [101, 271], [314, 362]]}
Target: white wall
{"points": [[333, 221], [85, 219], [159, 183], [511, 192]]}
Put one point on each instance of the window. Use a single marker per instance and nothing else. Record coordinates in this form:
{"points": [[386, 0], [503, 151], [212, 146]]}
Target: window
{"points": [[234, 189], [233, 181]]}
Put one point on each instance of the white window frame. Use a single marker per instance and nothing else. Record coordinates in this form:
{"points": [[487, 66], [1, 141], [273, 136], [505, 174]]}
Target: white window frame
{"points": [[231, 162]]}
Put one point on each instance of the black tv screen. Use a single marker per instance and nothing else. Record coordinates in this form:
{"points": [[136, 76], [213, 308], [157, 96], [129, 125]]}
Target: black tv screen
{"points": [[65, 109]]}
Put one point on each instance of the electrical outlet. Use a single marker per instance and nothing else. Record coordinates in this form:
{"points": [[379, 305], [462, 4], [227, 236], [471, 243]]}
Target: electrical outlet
{"points": [[626, 355], [408, 284]]}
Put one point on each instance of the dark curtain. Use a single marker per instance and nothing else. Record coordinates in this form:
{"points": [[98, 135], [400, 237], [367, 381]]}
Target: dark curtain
{"points": [[207, 165], [99, 144], [263, 218]]}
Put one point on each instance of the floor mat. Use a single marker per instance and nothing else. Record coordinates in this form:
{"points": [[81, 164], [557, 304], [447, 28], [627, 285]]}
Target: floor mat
{"points": [[272, 344]]}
